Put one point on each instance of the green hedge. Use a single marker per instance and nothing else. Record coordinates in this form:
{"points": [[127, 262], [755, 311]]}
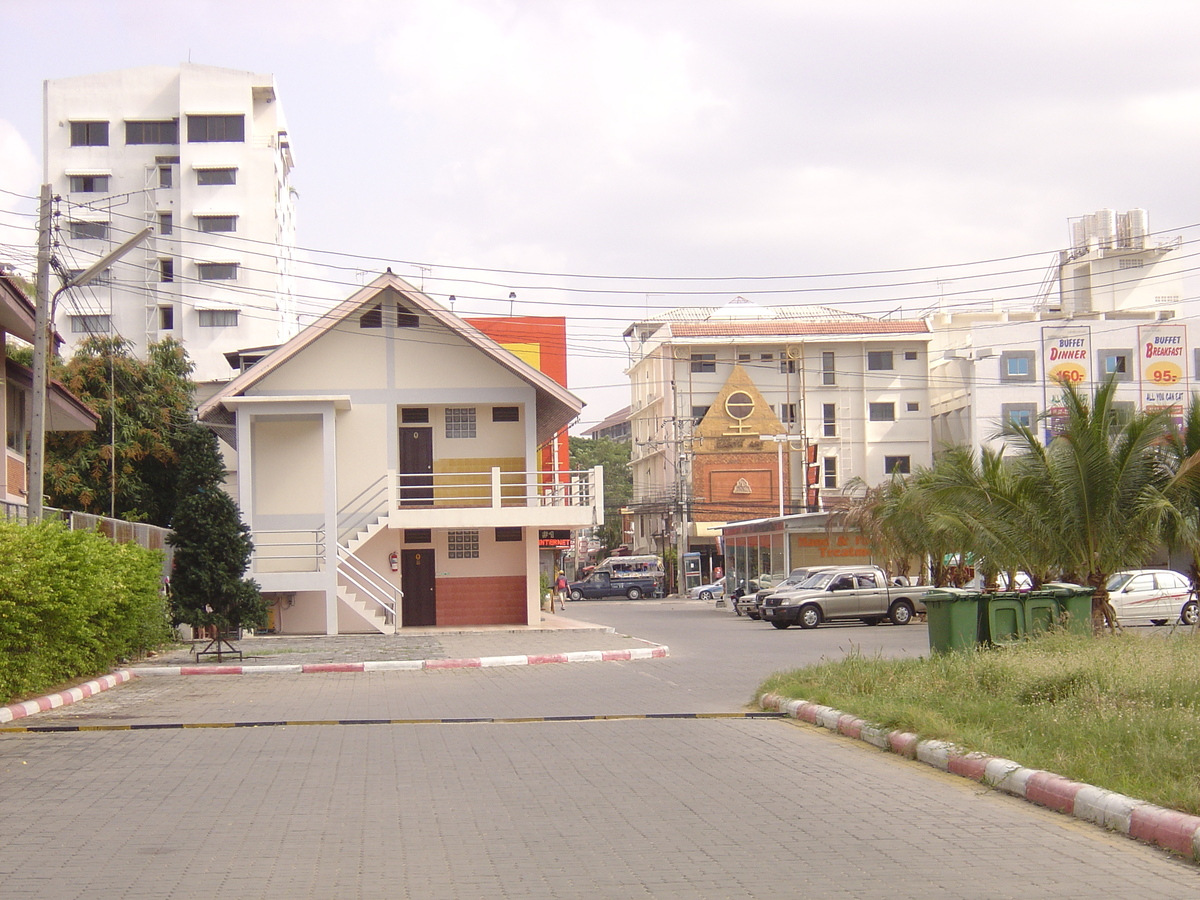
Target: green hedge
{"points": [[73, 604]]}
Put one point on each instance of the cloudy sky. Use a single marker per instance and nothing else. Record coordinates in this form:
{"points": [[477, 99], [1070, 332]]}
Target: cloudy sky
{"points": [[679, 152]]}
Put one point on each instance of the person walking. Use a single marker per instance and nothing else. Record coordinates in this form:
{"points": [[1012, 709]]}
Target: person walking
{"points": [[560, 590]]}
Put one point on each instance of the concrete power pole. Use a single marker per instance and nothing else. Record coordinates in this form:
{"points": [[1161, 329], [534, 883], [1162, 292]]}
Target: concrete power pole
{"points": [[41, 354]]}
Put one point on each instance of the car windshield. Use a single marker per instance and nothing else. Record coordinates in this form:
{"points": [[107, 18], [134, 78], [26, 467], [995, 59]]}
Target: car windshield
{"points": [[1118, 581], [817, 581]]}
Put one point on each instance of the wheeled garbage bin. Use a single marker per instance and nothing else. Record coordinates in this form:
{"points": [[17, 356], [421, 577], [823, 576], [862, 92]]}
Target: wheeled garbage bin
{"points": [[953, 617]]}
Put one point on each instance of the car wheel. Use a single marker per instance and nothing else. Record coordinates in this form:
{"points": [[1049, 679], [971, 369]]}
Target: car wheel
{"points": [[810, 616], [1189, 614], [706, 595], [779, 624], [901, 612], [634, 593], [753, 614], [576, 595], [872, 620]]}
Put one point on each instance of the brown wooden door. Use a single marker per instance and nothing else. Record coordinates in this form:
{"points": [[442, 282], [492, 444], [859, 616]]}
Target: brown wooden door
{"points": [[416, 466], [419, 606]]}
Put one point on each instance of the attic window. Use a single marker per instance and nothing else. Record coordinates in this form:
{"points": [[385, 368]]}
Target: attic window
{"points": [[372, 318]]}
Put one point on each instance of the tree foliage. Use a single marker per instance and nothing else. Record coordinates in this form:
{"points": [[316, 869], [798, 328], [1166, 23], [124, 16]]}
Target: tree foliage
{"points": [[613, 457], [212, 544], [142, 406]]}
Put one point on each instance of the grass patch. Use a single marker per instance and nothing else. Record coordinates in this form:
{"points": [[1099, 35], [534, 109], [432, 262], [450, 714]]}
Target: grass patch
{"points": [[1121, 712]]}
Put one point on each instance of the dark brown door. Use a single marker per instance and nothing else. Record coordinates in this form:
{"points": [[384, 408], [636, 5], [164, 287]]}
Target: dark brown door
{"points": [[419, 606], [416, 466]]}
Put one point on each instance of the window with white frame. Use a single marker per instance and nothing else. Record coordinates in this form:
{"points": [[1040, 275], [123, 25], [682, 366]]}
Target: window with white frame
{"points": [[897, 465], [214, 129], [223, 175], [218, 318], [214, 271], [217, 223], [829, 419], [704, 362], [462, 544], [165, 131], [829, 473], [460, 422], [88, 230], [88, 184], [787, 413], [90, 324], [881, 412], [828, 373], [879, 360], [89, 134]]}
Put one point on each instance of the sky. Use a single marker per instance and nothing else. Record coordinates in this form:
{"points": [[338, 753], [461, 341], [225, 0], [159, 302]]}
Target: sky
{"points": [[609, 159]]}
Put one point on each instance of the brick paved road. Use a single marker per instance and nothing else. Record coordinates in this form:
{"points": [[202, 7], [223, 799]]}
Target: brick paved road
{"points": [[621, 808]]}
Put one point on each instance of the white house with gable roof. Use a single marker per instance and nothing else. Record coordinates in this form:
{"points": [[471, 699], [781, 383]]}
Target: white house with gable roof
{"points": [[388, 469]]}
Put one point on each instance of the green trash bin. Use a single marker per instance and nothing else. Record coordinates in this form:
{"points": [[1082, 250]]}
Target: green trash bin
{"points": [[1074, 603], [953, 617], [1003, 617]]}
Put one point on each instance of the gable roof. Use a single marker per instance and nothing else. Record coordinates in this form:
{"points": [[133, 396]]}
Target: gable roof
{"points": [[556, 406]]}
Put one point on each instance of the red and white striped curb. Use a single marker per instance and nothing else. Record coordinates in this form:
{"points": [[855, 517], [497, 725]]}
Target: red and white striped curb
{"points": [[1167, 828], [480, 662], [63, 698]]}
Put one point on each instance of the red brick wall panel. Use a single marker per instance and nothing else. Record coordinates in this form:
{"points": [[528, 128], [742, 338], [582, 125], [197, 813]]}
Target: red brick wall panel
{"points": [[494, 600]]}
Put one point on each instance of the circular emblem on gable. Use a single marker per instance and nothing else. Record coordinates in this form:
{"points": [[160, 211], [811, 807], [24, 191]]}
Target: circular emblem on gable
{"points": [[739, 405]]}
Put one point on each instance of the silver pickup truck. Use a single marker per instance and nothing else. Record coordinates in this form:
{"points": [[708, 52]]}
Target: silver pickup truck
{"points": [[844, 592]]}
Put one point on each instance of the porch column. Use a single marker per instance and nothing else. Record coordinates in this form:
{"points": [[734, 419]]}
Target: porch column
{"points": [[329, 446]]}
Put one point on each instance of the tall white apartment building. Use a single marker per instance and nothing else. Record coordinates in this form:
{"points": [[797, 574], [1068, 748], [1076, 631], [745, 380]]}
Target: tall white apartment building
{"points": [[201, 155], [1113, 307]]}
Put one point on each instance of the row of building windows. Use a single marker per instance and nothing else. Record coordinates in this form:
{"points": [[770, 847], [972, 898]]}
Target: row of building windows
{"points": [[99, 184], [460, 421], [206, 318], [82, 230], [200, 130], [877, 361], [1021, 365], [877, 412]]}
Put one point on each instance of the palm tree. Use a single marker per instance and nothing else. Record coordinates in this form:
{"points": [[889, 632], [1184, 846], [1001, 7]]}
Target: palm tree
{"points": [[1102, 490], [989, 504]]}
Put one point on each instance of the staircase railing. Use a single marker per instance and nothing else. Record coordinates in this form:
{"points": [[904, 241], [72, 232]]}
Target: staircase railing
{"points": [[361, 510], [370, 583]]}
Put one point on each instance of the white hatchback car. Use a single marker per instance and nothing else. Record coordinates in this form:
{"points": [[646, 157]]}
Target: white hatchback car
{"points": [[1152, 597]]}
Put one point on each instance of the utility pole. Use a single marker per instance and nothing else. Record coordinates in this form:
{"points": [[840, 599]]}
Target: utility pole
{"points": [[41, 353], [43, 324]]}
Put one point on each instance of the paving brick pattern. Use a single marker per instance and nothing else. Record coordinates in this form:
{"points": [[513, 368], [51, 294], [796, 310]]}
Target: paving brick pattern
{"points": [[661, 808]]}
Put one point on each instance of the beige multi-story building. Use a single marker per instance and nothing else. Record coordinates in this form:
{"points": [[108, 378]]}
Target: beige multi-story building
{"points": [[202, 156], [746, 411]]}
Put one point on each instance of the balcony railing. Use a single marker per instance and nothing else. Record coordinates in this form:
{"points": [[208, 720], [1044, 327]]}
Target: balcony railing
{"points": [[493, 489]]}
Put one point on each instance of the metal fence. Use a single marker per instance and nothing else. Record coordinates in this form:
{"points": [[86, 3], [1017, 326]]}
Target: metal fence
{"points": [[152, 537]]}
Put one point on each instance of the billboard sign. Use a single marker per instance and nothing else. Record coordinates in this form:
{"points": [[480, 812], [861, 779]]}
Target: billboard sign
{"points": [[1162, 366]]}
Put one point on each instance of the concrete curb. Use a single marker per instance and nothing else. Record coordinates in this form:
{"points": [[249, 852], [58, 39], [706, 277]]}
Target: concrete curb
{"points": [[75, 694], [1171, 830], [479, 662], [64, 698]]}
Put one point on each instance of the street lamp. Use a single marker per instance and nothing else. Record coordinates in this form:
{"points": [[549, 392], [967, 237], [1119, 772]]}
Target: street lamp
{"points": [[43, 323], [780, 440]]}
